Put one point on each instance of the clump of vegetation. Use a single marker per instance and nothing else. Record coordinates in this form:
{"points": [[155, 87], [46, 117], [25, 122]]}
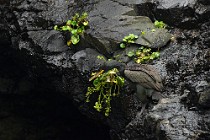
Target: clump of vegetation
{"points": [[106, 85], [143, 55], [101, 57], [76, 26], [159, 24], [128, 39]]}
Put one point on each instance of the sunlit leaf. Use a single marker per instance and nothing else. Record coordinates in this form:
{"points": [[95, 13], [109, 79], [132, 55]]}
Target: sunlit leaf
{"points": [[156, 54], [69, 42], [85, 23], [120, 80], [56, 27], [75, 39], [68, 22], [143, 33], [122, 45], [159, 24], [65, 28], [131, 53], [74, 31]]}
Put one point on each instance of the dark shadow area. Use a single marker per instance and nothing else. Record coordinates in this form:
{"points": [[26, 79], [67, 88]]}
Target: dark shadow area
{"points": [[43, 116], [29, 113]]}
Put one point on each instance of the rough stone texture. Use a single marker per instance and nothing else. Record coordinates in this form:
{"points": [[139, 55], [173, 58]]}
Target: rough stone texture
{"points": [[185, 14], [107, 29], [87, 60], [37, 57]]}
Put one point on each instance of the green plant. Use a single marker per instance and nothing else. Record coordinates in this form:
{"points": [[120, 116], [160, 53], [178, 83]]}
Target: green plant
{"points": [[143, 55], [76, 26], [101, 57], [106, 85], [143, 33], [159, 24], [128, 39]]}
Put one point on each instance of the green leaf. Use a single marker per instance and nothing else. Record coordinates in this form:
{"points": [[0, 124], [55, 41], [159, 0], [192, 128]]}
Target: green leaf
{"points": [[145, 58], [152, 57], [69, 42], [156, 54], [85, 23], [68, 22], [74, 31], [131, 35], [98, 106], [120, 80], [73, 23], [131, 53], [130, 38], [84, 15], [96, 82], [135, 36], [122, 45], [138, 53], [65, 28], [159, 24], [80, 30], [130, 41], [143, 33], [75, 39], [56, 27], [153, 30], [124, 39], [138, 60]]}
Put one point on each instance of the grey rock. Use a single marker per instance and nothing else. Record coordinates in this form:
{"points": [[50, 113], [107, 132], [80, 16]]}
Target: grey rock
{"points": [[147, 81], [145, 75], [87, 60], [184, 14], [60, 60], [168, 118], [50, 41], [204, 99], [183, 63], [205, 2], [107, 31], [200, 86]]}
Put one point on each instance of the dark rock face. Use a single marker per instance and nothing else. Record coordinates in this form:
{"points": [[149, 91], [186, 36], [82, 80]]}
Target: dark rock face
{"points": [[185, 14], [108, 30], [34, 56], [32, 104]]}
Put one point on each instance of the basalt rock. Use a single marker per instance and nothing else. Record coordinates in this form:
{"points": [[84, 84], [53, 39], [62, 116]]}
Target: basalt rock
{"points": [[107, 30], [34, 56], [185, 14]]}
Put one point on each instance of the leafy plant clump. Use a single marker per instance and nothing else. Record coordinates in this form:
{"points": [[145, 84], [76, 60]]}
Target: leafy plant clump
{"points": [[76, 26], [105, 85], [159, 24], [128, 39], [143, 55]]}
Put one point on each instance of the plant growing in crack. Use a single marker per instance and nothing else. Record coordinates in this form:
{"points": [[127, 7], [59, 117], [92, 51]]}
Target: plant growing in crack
{"points": [[128, 40], [106, 85], [159, 24], [143, 55], [76, 26]]}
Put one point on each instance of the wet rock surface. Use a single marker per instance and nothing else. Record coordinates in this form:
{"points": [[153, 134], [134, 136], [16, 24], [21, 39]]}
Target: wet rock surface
{"points": [[179, 13], [108, 28], [34, 56]]}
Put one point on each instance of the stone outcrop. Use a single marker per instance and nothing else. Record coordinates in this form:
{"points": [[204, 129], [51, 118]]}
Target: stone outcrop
{"points": [[44, 62]]}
